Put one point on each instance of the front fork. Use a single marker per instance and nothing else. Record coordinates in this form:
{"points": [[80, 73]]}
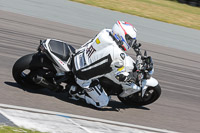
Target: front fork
{"points": [[152, 82]]}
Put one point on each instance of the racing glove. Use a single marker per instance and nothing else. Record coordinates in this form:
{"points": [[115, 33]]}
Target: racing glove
{"points": [[126, 77]]}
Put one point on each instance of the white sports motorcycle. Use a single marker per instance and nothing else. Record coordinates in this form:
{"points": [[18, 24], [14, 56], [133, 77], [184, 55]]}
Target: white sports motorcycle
{"points": [[51, 67]]}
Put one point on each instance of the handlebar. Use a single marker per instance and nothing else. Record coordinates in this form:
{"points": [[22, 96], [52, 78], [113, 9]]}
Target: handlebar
{"points": [[144, 63]]}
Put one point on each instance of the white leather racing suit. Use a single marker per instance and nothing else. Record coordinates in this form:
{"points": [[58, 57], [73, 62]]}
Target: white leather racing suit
{"points": [[99, 57]]}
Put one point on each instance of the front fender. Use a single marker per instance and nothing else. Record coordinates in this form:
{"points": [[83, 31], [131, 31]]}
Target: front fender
{"points": [[150, 82]]}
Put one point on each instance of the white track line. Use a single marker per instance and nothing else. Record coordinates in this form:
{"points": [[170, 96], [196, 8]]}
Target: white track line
{"points": [[85, 118]]}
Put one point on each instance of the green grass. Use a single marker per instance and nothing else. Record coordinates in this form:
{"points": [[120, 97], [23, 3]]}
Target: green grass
{"points": [[8, 129], [168, 11]]}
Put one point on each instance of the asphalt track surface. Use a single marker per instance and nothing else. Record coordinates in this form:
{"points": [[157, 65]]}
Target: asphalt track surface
{"points": [[178, 73], [94, 18]]}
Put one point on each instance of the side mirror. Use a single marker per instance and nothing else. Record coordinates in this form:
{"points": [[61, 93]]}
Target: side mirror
{"points": [[41, 41], [145, 53]]}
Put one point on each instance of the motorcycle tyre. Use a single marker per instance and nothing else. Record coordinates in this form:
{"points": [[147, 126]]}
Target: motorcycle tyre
{"points": [[131, 102], [21, 65]]}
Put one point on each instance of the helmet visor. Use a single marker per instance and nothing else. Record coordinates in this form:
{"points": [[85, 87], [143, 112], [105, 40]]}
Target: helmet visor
{"points": [[130, 40]]}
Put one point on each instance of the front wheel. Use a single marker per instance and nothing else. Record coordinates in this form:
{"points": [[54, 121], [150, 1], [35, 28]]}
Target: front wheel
{"points": [[150, 96]]}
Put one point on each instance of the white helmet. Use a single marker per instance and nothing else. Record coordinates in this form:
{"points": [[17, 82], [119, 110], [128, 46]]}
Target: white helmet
{"points": [[125, 33]]}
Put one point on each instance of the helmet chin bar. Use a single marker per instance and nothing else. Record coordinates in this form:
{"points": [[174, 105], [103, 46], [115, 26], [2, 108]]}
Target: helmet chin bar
{"points": [[132, 43]]}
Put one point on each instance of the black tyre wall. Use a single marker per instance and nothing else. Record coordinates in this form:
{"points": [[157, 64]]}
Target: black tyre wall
{"points": [[31, 62]]}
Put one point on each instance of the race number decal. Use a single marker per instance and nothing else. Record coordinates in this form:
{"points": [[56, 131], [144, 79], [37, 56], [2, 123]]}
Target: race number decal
{"points": [[90, 51]]}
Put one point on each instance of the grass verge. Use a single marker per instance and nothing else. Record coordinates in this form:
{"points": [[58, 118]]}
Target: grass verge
{"points": [[168, 11], [9, 129]]}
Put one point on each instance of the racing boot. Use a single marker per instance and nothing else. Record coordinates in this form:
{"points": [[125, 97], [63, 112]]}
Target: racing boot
{"points": [[75, 92]]}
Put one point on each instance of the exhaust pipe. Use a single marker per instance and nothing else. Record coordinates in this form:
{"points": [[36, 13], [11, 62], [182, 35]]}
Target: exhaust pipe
{"points": [[43, 82]]}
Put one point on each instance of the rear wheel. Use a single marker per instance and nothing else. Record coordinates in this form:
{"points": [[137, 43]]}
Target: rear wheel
{"points": [[150, 96], [23, 73]]}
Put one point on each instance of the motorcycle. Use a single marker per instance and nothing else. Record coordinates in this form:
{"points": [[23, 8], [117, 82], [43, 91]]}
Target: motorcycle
{"points": [[51, 67]]}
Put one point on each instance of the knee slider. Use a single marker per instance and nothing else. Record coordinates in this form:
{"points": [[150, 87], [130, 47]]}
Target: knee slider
{"points": [[103, 102]]}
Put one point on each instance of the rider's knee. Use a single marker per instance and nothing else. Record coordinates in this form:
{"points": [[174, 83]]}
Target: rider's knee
{"points": [[103, 102]]}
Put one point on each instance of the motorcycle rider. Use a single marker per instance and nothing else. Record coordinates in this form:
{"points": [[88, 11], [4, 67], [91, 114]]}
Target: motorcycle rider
{"points": [[100, 56]]}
